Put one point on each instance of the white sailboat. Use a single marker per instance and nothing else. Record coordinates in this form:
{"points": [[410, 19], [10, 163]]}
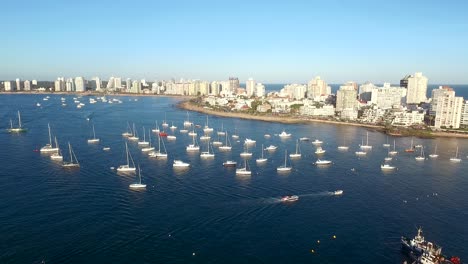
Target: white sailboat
{"points": [[129, 131], [244, 170], [94, 139], [49, 147], [386, 145], [187, 122], [138, 184], [235, 136], [217, 142], [227, 145], [207, 154], [434, 155], [127, 167], [284, 167], [389, 157], [344, 146], [134, 136], [262, 159], [393, 152], [298, 152], [205, 137], [159, 154], [156, 128], [18, 129], [144, 142], [193, 146], [421, 157], [246, 153], [284, 134], [319, 151], [221, 132], [386, 167], [173, 127], [207, 128], [57, 155], [456, 158], [366, 146], [164, 123], [150, 147], [192, 133], [73, 163]]}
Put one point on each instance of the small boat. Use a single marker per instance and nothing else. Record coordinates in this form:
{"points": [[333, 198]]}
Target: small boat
{"points": [[246, 152], [386, 144], [134, 136], [319, 150], [421, 157], [187, 122], [94, 139], [284, 168], [171, 137], [267, 135], [298, 152], [411, 149], [193, 146], [418, 146], [245, 170], [393, 152], [183, 131], [323, 162], [49, 147], [162, 134], [173, 127], [159, 154], [366, 146], [144, 142], [156, 128], [304, 139], [149, 147], [388, 158], [271, 148], [205, 137], [284, 134], [235, 136], [38, 105], [127, 167], [249, 141], [387, 167], [180, 164], [207, 129], [338, 192], [57, 155], [434, 155], [106, 148], [227, 145], [207, 154], [19, 129], [344, 146], [230, 163], [221, 132], [289, 198], [73, 163], [456, 158], [262, 159], [138, 184], [129, 132], [361, 153], [317, 142]]}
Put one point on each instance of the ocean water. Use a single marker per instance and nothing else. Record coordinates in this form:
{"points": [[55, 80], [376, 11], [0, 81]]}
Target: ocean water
{"points": [[207, 214]]}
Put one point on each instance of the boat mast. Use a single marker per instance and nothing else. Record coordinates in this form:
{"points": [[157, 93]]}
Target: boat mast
{"points": [[19, 119], [262, 151], [50, 136], [94, 132], [70, 150], [126, 150]]}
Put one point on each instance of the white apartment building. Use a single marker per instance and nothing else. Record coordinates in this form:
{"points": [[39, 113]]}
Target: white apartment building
{"points": [[312, 110], [365, 91], [259, 90], [27, 85], [80, 84], [446, 107], [464, 115], [317, 87], [346, 98], [387, 97], [250, 87], [417, 89], [408, 118], [294, 91], [7, 86]]}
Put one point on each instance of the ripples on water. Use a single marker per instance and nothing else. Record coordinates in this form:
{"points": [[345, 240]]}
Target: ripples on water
{"points": [[90, 215]]}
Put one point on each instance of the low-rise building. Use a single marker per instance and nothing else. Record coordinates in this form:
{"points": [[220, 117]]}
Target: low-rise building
{"points": [[408, 118]]}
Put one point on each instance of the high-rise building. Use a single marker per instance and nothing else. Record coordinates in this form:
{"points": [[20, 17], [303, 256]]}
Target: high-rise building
{"points": [[215, 88], [417, 89], [70, 85], [233, 84], [250, 87], [464, 115], [317, 87], [404, 81], [80, 84], [118, 83], [34, 82], [446, 107], [7, 86], [27, 85], [136, 87], [346, 97], [59, 84], [18, 85], [365, 91], [259, 90], [387, 97], [128, 84], [98, 83]]}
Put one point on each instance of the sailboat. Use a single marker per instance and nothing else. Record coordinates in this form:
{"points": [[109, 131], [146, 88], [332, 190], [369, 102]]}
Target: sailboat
{"points": [[298, 151], [389, 157], [262, 159], [456, 158], [193, 146], [246, 152], [73, 163], [144, 142], [245, 170], [18, 129], [156, 128], [344, 146], [393, 152], [172, 126], [94, 139], [164, 123], [221, 132], [227, 146], [434, 155], [134, 136], [284, 134], [127, 167], [205, 137], [386, 145], [284, 167], [49, 147], [129, 132], [235, 136], [217, 142], [207, 153], [411, 149], [366, 146], [207, 128], [138, 184], [187, 122], [421, 156], [57, 155], [149, 148], [159, 154], [192, 133]]}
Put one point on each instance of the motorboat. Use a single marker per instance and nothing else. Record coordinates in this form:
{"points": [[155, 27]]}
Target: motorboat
{"points": [[387, 167], [271, 148], [230, 163], [284, 134], [289, 198], [323, 162], [180, 164], [338, 192], [317, 142]]}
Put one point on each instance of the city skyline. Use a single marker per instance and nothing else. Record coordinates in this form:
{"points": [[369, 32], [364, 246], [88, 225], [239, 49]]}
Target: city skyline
{"points": [[271, 42]]}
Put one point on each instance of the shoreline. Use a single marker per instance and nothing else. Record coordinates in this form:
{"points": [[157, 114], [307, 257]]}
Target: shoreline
{"points": [[99, 94], [187, 105]]}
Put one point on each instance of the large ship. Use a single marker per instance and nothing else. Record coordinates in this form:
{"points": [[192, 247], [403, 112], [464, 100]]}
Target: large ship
{"points": [[421, 251]]}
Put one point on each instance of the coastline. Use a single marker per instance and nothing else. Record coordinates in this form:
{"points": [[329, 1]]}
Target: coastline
{"points": [[187, 105], [185, 97]]}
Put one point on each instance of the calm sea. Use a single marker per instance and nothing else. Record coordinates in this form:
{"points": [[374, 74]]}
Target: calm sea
{"points": [[207, 214]]}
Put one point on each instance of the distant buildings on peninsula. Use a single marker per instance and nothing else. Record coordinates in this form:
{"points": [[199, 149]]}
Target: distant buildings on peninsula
{"points": [[403, 105]]}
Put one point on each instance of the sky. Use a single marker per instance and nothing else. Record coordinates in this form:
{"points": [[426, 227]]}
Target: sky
{"points": [[270, 41]]}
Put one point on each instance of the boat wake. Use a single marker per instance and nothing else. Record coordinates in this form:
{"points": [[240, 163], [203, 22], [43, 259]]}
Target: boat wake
{"points": [[274, 200]]}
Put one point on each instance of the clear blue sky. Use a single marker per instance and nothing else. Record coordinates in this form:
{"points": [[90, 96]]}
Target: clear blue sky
{"points": [[271, 41]]}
